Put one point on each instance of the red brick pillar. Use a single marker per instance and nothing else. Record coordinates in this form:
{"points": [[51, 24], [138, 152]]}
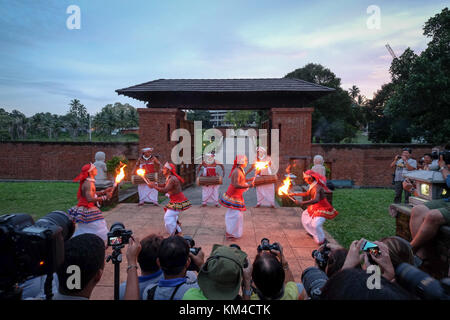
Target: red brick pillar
{"points": [[155, 130], [294, 126]]}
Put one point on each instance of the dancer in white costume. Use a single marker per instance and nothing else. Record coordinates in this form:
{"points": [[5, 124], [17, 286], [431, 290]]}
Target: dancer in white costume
{"points": [[265, 194], [208, 169], [147, 162]]}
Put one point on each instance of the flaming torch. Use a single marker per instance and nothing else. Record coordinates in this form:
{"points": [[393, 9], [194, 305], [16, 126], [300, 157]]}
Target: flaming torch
{"points": [[120, 175], [259, 165], [141, 173], [284, 189]]}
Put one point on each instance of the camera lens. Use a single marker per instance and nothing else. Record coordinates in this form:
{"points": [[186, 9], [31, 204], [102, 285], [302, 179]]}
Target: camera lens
{"points": [[117, 226], [313, 280], [61, 219]]}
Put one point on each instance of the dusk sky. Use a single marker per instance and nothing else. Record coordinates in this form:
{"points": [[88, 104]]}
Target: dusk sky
{"points": [[43, 64]]}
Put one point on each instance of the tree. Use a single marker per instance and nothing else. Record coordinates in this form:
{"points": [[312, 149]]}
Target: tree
{"points": [[113, 117], [421, 86], [5, 124], [333, 118], [76, 121], [200, 115], [19, 125], [240, 119], [354, 92]]}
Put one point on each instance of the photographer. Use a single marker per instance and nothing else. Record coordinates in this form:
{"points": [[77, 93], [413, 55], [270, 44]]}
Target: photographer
{"points": [[330, 258], [87, 251], [270, 272], [174, 258], [150, 271], [428, 218], [222, 275], [402, 164]]}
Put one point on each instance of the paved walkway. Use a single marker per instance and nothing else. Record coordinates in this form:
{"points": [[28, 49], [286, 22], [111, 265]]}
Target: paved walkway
{"points": [[207, 227]]}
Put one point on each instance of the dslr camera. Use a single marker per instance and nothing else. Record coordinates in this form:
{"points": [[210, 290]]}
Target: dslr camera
{"points": [[314, 279], [31, 249], [421, 283], [118, 236], [194, 250], [321, 256], [266, 246]]}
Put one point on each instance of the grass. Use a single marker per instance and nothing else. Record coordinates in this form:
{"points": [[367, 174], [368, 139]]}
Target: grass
{"points": [[363, 213], [37, 198]]}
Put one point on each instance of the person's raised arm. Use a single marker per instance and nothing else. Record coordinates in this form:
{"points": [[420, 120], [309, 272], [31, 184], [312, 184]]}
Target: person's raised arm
{"points": [[393, 164], [164, 189], [318, 196], [443, 167], [250, 170], [132, 286]]}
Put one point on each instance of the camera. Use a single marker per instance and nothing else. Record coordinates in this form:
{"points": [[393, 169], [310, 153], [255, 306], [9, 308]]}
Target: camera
{"points": [[446, 155], [118, 236], [265, 245], [314, 280], [194, 250], [191, 244], [31, 249], [421, 283], [321, 257]]}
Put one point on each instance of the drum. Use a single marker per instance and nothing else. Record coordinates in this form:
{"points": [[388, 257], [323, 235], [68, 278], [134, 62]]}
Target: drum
{"points": [[269, 179], [209, 181], [135, 179]]}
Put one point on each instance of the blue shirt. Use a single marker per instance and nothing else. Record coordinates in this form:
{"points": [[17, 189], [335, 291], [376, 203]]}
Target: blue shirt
{"points": [[144, 281], [447, 181]]}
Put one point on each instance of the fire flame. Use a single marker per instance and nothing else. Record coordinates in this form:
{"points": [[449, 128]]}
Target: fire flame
{"points": [[121, 173], [140, 172], [259, 165], [284, 189]]}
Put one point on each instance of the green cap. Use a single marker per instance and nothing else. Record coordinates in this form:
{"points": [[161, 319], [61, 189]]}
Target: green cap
{"points": [[221, 276]]}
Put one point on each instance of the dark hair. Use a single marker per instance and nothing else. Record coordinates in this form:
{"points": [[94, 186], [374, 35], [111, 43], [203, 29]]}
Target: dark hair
{"points": [[173, 254], [407, 149], [351, 284], [336, 260], [149, 252], [268, 275], [428, 154], [87, 251], [399, 250]]}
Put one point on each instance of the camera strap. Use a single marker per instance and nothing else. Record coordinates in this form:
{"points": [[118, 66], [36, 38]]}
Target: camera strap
{"points": [[151, 292]]}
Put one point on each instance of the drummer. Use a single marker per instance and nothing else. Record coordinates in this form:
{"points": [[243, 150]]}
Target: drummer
{"points": [[210, 193], [147, 161], [265, 193]]}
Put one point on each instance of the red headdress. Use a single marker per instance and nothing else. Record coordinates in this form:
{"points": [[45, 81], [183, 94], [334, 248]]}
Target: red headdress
{"points": [[321, 180], [240, 159], [173, 170], [84, 174]]}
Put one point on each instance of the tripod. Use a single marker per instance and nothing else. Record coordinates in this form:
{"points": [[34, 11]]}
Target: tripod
{"points": [[116, 258]]}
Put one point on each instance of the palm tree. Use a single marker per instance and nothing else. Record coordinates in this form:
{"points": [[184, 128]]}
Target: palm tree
{"points": [[354, 92]]}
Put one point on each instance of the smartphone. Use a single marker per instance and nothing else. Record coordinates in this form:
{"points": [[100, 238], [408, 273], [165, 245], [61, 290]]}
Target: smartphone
{"points": [[370, 247]]}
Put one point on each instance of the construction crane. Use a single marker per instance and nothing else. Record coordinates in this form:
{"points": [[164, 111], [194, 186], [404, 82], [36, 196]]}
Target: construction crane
{"points": [[391, 51]]}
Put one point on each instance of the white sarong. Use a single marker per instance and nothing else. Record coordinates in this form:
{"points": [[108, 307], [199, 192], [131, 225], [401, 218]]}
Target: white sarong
{"points": [[314, 226], [147, 194], [234, 222], [96, 227], [170, 221], [265, 195], [210, 194]]}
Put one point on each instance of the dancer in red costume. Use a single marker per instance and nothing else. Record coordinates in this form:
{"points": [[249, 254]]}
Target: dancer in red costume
{"points": [[86, 213], [178, 202], [210, 193], [319, 209], [147, 161], [233, 199]]}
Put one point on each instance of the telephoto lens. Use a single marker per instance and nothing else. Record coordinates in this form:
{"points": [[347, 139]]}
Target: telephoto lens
{"points": [[61, 219], [314, 280]]}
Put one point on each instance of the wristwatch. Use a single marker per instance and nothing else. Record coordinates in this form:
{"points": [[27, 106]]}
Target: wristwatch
{"points": [[248, 292]]}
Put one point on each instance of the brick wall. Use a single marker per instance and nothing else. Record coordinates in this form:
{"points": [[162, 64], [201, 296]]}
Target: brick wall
{"points": [[365, 164], [56, 160]]}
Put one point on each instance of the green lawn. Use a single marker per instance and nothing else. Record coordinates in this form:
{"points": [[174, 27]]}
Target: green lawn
{"points": [[37, 198], [363, 213]]}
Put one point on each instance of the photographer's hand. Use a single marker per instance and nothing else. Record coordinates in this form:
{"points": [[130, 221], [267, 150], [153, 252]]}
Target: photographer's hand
{"points": [[132, 286], [198, 259], [353, 256], [384, 261]]}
